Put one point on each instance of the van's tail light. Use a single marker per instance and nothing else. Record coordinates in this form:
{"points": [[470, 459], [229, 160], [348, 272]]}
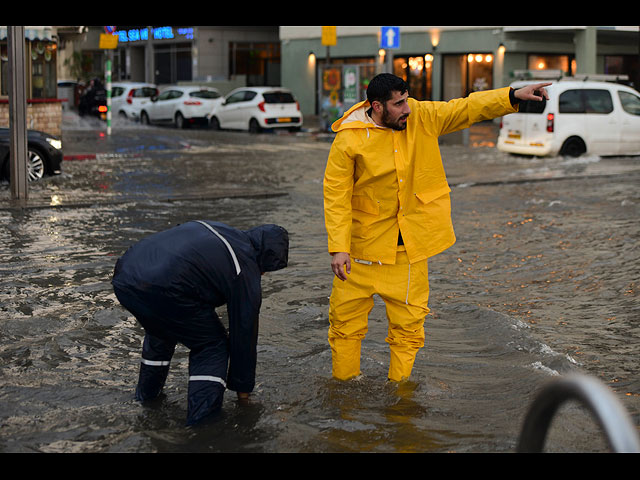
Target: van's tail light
{"points": [[298, 105], [261, 106], [550, 122], [129, 97], [102, 108]]}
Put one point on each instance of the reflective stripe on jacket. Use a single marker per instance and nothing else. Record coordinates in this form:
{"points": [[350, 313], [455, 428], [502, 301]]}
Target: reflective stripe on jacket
{"points": [[378, 180]]}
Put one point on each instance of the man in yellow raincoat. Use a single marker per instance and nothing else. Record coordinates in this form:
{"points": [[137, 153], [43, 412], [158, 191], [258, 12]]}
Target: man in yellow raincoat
{"points": [[387, 210]]}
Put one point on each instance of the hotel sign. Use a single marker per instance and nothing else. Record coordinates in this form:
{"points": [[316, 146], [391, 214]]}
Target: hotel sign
{"points": [[158, 33]]}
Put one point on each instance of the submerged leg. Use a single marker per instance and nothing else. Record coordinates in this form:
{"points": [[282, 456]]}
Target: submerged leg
{"points": [[154, 367], [207, 380]]}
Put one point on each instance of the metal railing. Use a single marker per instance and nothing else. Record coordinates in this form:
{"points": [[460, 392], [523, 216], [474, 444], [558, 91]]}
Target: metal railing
{"points": [[596, 397]]}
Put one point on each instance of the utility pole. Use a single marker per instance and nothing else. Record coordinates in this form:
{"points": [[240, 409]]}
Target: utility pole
{"points": [[17, 114]]}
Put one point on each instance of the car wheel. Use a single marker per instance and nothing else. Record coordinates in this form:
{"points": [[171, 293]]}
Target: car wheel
{"points": [[254, 126], [573, 147], [215, 123], [35, 165], [144, 118], [179, 120]]}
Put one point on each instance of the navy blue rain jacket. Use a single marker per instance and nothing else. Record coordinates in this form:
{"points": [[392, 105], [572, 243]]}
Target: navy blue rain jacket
{"points": [[199, 265]]}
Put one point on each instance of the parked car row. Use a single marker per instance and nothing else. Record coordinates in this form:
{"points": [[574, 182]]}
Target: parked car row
{"points": [[247, 108]]}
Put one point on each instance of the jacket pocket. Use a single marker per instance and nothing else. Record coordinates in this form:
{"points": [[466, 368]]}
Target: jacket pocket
{"points": [[365, 204], [431, 195]]}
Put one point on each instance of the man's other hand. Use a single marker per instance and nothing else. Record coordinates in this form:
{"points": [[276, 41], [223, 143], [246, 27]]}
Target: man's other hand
{"points": [[340, 263]]}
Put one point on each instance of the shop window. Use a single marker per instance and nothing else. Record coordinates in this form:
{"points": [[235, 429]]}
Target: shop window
{"points": [[260, 62], [480, 73], [43, 70], [416, 71], [41, 75], [4, 70], [564, 63], [173, 63], [465, 74], [624, 65]]}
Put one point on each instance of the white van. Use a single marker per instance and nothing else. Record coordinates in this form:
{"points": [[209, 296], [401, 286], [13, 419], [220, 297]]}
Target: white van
{"points": [[580, 117]]}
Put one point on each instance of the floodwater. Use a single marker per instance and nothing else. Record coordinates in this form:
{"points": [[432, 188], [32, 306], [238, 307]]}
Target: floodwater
{"points": [[541, 282]]}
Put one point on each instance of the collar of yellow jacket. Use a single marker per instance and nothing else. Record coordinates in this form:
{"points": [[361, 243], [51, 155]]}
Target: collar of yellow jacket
{"points": [[355, 117]]}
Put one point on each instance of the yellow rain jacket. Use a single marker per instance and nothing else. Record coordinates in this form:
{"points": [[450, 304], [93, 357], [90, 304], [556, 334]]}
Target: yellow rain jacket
{"points": [[379, 180]]}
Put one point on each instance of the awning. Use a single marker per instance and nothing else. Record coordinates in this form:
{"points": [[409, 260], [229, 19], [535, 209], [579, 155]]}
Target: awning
{"points": [[31, 33]]}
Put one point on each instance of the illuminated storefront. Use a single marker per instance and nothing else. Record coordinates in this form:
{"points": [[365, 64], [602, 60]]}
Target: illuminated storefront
{"points": [[441, 63], [417, 71], [173, 54]]}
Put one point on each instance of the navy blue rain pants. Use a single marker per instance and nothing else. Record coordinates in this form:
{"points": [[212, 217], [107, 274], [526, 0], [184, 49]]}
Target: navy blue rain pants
{"points": [[167, 323]]}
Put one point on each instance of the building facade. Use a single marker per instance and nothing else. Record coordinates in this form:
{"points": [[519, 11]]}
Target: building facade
{"points": [[223, 56], [441, 63], [43, 45]]}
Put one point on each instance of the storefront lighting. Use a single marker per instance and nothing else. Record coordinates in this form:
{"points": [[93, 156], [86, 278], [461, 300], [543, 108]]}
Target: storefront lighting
{"points": [[311, 59], [502, 49], [416, 63], [428, 58], [435, 38], [478, 57]]}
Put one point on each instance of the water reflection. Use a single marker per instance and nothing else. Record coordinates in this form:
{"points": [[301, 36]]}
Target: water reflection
{"points": [[542, 280]]}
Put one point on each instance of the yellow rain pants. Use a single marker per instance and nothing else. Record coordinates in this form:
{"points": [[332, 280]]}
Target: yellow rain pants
{"points": [[404, 288]]}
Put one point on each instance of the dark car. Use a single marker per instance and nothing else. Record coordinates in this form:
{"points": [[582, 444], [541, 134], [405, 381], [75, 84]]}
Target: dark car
{"points": [[44, 154], [93, 100]]}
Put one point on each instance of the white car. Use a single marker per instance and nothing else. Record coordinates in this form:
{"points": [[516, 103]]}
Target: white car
{"points": [[257, 108], [128, 97], [599, 118], [181, 105]]}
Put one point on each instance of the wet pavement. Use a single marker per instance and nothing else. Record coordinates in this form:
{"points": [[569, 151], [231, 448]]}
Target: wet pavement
{"points": [[542, 281]]}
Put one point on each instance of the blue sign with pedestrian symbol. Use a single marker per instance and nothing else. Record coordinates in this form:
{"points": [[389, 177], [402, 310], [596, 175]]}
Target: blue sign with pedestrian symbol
{"points": [[390, 37]]}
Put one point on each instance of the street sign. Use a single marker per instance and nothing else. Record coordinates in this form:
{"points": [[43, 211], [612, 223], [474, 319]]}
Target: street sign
{"points": [[329, 37], [108, 42], [390, 37]]}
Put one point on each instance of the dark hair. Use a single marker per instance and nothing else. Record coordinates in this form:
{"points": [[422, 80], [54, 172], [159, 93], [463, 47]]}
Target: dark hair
{"points": [[381, 87]]}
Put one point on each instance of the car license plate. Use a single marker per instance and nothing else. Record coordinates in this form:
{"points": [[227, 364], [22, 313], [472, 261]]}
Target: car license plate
{"points": [[284, 120]]}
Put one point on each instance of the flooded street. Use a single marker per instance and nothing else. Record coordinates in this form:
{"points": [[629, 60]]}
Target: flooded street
{"points": [[542, 281]]}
